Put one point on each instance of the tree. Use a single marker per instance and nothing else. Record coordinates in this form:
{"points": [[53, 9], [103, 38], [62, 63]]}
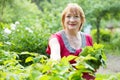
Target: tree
{"points": [[3, 4], [112, 11], [99, 10]]}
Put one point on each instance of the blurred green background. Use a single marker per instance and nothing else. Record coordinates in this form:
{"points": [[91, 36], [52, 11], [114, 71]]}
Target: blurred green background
{"points": [[25, 25]]}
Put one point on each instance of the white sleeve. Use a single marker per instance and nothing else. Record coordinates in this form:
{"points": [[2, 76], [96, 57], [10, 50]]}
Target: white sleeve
{"points": [[55, 49]]}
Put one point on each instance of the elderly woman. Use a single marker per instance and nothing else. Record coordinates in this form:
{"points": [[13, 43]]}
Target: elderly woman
{"points": [[70, 40]]}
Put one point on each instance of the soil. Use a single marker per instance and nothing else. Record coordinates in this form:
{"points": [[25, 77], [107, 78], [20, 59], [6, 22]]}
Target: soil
{"points": [[113, 65]]}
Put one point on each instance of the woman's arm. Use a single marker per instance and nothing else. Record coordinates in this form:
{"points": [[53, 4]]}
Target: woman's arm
{"points": [[55, 49]]}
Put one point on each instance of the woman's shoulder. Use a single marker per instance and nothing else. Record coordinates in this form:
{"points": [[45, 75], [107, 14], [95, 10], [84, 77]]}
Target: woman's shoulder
{"points": [[59, 32], [57, 35], [85, 34], [88, 38]]}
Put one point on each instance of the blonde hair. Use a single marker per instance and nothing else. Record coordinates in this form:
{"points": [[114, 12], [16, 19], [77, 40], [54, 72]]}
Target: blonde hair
{"points": [[76, 9]]}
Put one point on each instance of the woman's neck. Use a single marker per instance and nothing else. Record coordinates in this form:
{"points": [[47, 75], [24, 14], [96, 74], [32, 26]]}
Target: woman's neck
{"points": [[71, 33]]}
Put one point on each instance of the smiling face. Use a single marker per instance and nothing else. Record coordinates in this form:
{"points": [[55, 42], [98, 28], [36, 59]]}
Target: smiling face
{"points": [[72, 20], [73, 17]]}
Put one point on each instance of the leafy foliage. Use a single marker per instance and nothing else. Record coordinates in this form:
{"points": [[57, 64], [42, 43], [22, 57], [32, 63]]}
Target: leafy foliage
{"points": [[18, 10], [108, 76], [114, 42], [44, 68], [105, 35], [19, 39], [94, 56]]}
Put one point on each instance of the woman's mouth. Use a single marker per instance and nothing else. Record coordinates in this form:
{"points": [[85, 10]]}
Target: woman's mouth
{"points": [[72, 24]]}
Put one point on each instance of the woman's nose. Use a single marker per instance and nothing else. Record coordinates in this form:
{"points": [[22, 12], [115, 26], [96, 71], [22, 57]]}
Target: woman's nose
{"points": [[72, 19]]}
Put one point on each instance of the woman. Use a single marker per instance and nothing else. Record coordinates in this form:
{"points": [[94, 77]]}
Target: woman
{"points": [[70, 40]]}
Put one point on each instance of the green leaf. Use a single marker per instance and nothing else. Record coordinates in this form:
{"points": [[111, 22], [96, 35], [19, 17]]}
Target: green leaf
{"points": [[1, 44], [29, 59], [84, 51], [55, 77], [44, 77], [28, 53], [104, 57], [80, 66], [76, 75], [64, 61], [98, 46], [89, 67], [71, 57], [46, 68], [89, 57]]}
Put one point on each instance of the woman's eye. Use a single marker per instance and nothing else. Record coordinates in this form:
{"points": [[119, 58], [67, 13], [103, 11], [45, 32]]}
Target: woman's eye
{"points": [[76, 16], [68, 16]]}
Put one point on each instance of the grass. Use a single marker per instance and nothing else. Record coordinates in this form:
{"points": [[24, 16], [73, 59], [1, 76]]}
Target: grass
{"points": [[110, 76], [113, 52]]}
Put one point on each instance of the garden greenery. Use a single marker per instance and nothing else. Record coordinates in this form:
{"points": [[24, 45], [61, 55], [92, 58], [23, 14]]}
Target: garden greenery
{"points": [[35, 66], [24, 32], [39, 67], [19, 39], [105, 35]]}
